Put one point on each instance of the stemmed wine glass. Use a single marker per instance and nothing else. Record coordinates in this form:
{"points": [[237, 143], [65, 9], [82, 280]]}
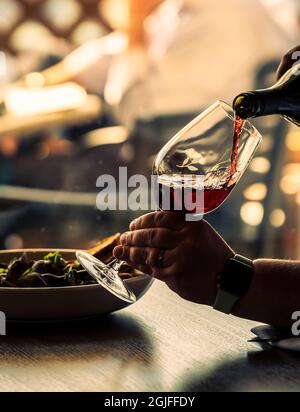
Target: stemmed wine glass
{"points": [[216, 146]]}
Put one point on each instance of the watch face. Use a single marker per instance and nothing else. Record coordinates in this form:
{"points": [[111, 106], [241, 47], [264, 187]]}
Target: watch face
{"points": [[236, 277]]}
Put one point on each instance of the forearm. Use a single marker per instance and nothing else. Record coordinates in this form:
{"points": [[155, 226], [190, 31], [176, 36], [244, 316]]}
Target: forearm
{"points": [[274, 293]]}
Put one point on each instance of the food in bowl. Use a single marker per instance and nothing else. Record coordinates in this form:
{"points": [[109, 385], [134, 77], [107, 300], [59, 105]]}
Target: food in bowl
{"points": [[54, 271]]}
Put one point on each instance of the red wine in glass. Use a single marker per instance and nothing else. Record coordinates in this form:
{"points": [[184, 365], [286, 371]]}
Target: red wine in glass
{"points": [[182, 193]]}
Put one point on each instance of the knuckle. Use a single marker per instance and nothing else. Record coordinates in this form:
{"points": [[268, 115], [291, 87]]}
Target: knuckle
{"points": [[142, 221], [133, 225], [129, 237], [134, 222], [158, 218], [152, 236], [139, 222]]}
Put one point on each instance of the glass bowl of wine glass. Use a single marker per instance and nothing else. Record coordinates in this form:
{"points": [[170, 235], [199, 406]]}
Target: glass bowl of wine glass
{"points": [[207, 157]]}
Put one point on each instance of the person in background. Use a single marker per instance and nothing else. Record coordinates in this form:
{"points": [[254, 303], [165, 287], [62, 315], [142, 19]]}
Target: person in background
{"points": [[286, 15], [175, 56]]}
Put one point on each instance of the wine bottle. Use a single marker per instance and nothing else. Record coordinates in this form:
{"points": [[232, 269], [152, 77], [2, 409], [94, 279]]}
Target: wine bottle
{"points": [[283, 98]]}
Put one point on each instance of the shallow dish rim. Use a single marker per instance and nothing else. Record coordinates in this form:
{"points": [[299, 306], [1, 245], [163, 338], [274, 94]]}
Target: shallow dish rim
{"points": [[53, 288]]}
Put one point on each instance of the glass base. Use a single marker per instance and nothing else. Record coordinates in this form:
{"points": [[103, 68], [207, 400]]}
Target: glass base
{"points": [[106, 275]]}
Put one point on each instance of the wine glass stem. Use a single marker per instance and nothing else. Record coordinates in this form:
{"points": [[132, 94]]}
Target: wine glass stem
{"points": [[116, 264]]}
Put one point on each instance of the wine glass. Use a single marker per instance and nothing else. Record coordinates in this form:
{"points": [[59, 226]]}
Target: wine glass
{"points": [[208, 157], [215, 150]]}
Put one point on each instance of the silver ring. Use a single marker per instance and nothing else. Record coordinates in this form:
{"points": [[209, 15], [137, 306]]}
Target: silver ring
{"points": [[160, 258]]}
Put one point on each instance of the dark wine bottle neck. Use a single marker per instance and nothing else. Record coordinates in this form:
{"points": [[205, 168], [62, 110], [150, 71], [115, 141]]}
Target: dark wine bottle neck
{"points": [[258, 103]]}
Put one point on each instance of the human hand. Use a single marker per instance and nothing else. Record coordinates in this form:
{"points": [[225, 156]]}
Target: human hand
{"points": [[187, 256], [288, 60]]}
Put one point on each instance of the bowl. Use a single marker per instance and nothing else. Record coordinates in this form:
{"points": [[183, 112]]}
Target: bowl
{"points": [[65, 302]]}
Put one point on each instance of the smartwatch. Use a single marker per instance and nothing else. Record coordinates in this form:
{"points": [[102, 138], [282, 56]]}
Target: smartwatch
{"points": [[233, 283]]}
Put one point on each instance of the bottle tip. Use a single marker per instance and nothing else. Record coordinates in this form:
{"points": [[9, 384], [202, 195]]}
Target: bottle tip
{"points": [[242, 105]]}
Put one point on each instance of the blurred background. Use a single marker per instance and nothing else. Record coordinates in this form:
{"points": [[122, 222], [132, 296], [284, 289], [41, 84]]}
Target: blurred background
{"points": [[87, 86]]}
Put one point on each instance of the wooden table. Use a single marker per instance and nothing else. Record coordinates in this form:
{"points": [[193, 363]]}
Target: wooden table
{"points": [[161, 343]]}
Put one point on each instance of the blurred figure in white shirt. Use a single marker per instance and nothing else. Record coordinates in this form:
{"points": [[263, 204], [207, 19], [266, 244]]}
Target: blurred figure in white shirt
{"points": [[177, 56], [286, 15]]}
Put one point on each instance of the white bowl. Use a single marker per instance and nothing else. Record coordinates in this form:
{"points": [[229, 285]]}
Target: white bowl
{"points": [[65, 302]]}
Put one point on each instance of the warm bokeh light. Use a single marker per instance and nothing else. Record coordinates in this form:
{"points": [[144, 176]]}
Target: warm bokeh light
{"points": [[62, 14], [87, 30], [293, 141], [298, 199], [24, 38], [291, 169], [11, 12], [277, 218], [8, 146], [27, 102], [257, 191], [13, 241], [107, 135], [290, 184], [266, 144], [115, 12], [34, 80], [252, 213], [260, 165], [127, 152], [3, 67]]}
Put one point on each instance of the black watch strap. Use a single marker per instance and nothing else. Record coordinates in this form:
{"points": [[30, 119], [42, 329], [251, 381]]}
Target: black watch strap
{"points": [[233, 283]]}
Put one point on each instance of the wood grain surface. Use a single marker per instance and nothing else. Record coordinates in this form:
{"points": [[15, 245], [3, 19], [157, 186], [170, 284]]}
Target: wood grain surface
{"points": [[162, 343]]}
